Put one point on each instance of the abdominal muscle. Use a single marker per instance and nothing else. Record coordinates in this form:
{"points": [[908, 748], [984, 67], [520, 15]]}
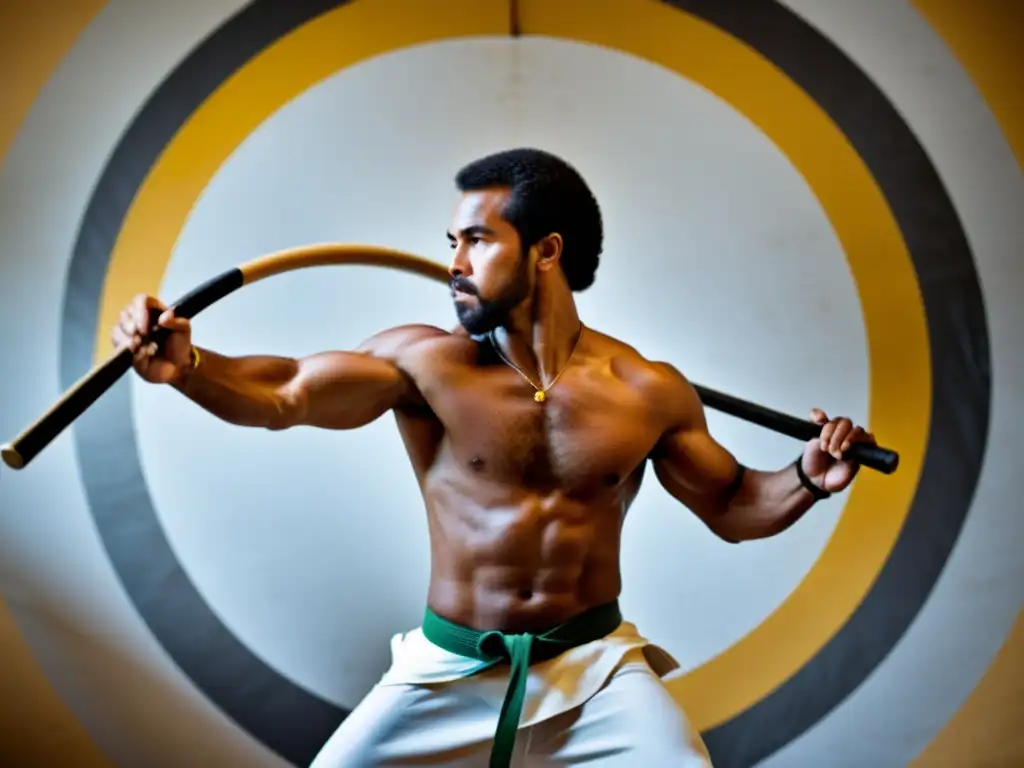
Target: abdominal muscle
{"points": [[522, 563]]}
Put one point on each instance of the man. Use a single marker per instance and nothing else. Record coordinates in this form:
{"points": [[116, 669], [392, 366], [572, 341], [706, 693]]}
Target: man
{"points": [[529, 434]]}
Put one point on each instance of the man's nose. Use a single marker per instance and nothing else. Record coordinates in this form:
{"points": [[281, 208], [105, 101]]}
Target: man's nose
{"points": [[459, 266]]}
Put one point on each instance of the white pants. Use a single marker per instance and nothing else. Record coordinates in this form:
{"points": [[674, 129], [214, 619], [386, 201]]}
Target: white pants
{"points": [[631, 721]]}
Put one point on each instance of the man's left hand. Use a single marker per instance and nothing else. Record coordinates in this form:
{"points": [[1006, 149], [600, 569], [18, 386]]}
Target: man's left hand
{"points": [[822, 461]]}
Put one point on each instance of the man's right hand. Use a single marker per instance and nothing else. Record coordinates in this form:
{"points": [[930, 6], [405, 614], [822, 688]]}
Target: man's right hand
{"points": [[162, 364]]}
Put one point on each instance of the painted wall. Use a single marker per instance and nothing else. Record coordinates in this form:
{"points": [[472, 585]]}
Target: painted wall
{"points": [[807, 204]]}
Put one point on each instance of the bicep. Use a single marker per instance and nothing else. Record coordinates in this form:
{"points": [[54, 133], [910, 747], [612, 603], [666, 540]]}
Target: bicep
{"points": [[690, 464], [693, 467], [348, 389], [341, 390]]}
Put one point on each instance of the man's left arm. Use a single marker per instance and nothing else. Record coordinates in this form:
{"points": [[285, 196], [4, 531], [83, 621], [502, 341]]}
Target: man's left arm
{"points": [[738, 503]]}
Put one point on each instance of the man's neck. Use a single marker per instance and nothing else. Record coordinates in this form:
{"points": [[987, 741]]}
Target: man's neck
{"points": [[542, 333]]}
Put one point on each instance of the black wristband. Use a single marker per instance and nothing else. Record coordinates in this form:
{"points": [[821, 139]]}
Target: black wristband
{"points": [[819, 493]]}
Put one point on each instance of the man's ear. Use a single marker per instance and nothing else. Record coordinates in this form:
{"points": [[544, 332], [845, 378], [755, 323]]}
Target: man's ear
{"points": [[549, 250]]}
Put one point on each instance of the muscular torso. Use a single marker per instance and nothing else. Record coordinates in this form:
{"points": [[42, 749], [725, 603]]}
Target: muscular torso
{"points": [[526, 500]]}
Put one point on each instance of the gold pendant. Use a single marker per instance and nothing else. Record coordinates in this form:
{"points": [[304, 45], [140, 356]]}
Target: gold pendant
{"points": [[539, 396]]}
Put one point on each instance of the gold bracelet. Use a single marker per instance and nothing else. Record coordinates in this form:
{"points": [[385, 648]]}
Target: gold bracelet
{"points": [[195, 358]]}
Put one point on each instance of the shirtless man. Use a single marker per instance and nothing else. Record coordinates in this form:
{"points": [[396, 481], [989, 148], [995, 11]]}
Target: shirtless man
{"points": [[529, 434]]}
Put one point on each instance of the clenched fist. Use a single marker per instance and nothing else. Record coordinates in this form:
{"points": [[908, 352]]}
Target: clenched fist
{"points": [[157, 364], [823, 461]]}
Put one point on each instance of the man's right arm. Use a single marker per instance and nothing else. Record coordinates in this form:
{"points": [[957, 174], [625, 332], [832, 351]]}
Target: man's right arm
{"points": [[332, 390]]}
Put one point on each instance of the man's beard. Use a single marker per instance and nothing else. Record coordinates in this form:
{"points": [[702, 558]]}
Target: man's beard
{"points": [[487, 314]]}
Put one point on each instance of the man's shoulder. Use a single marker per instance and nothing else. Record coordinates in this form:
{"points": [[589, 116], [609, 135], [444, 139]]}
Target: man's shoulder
{"points": [[661, 383], [633, 366], [414, 341]]}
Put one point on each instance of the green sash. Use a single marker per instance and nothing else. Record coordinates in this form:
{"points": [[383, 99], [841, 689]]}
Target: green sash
{"points": [[519, 651]]}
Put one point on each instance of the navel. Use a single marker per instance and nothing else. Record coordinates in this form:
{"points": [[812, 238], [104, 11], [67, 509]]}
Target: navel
{"points": [[525, 594], [476, 463], [611, 479]]}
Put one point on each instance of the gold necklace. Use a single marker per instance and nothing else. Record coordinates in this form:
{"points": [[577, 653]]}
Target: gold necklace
{"points": [[541, 394]]}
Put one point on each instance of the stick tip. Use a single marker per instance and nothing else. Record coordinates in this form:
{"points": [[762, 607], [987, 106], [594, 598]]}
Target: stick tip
{"points": [[12, 458]]}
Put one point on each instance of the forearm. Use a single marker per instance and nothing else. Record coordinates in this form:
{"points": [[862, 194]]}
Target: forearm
{"points": [[246, 391], [764, 504]]}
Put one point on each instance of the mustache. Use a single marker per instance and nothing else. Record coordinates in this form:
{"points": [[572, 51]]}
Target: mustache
{"points": [[462, 285]]}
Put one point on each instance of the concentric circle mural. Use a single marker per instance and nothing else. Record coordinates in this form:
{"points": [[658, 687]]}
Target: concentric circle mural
{"points": [[826, 196]]}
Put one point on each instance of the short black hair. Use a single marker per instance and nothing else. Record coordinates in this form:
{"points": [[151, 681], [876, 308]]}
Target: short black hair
{"points": [[547, 195]]}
